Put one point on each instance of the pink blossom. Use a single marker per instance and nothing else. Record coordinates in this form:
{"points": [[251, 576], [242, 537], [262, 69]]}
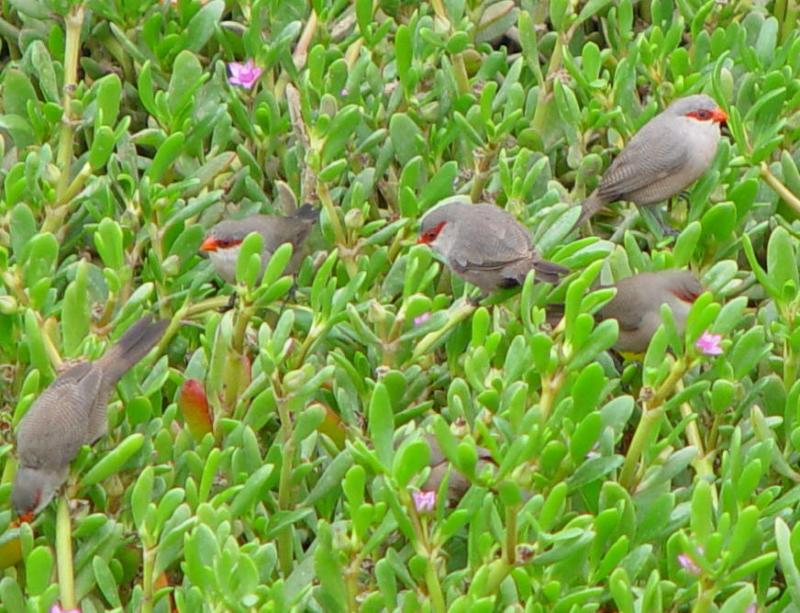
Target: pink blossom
{"points": [[690, 565], [56, 608], [421, 319], [751, 608], [245, 75], [708, 343], [424, 501]]}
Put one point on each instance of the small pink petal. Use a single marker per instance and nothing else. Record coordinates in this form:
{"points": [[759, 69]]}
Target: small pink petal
{"points": [[709, 344], [686, 562], [424, 501], [421, 319], [244, 75]]}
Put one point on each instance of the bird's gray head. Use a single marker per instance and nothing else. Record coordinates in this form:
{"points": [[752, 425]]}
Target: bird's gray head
{"points": [[434, 222], [33, 489], [225, 235], [698, 107]]}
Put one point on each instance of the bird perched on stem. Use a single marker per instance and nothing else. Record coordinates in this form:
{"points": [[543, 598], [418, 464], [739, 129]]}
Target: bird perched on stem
{"points": [[669, 153], [72, 412], [224, 240], [637, 306], [485, 245]]}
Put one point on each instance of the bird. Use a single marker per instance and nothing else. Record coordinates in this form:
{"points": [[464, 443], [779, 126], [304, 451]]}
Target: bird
{"points": [[485, 245], [637, 306], [224, 240], [669, 153], [72, 412], [457, 484]]}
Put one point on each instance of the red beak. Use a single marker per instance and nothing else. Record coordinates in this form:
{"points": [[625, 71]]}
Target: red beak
{"points": [[209, 244], [719, 115]]}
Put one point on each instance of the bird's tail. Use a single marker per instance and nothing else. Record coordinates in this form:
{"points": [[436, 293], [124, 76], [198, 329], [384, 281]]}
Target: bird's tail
{"points": [[136, 343], [307, 212], [589, 207], [549, 272]]}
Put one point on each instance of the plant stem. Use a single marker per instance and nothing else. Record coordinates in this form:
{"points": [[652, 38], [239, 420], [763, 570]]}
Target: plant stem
{"points": [[66, 579], [702, 466], [285, 544], [651, 416], [550, 387], [74, 23], [434, 587], [783, 191], [336, 224], [705, 599], [544, 90], [510, 554], [148, 563]]}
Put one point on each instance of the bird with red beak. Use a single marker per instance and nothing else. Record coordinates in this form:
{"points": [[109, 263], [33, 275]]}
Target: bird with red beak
{"points": [[669, 153], [72, 412], [223, 242], [637, 306], [485, 246]]}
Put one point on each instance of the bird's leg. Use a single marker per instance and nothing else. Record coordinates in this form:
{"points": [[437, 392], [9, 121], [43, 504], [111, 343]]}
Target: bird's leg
{"points": [[476, 299], [654, 218], [624, 226], [231, 304], [290, 295]]}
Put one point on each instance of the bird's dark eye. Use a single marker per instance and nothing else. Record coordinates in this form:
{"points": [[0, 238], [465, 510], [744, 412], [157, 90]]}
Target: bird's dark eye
{"points": [[224, 242], [703, 114]]}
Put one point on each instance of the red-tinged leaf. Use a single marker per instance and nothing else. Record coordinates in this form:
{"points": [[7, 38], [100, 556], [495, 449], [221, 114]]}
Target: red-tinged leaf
{"points": [[194, 406], [333, 427], [10, 552]]}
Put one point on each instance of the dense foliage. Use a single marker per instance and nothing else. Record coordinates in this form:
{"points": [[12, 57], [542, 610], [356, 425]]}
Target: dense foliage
{"points": [[270, 456]]}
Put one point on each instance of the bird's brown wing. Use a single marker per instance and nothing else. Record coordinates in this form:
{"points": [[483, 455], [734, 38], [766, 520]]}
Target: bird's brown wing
{"points": [[627, 312], [651, 155], [488, 245], [279, 230], [57, 424]]}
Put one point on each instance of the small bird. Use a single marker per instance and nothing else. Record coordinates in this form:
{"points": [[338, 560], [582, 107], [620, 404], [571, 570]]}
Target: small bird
{"points": [[72, 412], [457, 484], [669, 153], [637, 305], [485, 245], [224, 240]]}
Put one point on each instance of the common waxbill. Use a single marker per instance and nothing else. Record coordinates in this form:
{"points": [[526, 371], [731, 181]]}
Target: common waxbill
{"points": [[457, 484], [72, 412], [485, 245], [637, 305], [666, 155], [224, 240]]}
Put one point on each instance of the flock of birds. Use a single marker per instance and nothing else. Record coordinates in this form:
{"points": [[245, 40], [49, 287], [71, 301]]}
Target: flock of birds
{"points": [[481, 243]]}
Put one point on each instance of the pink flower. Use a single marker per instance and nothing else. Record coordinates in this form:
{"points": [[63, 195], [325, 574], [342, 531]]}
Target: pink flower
{"points": [[421, 319], [751, 608], [245, 75], [686, 562], [708, 343], [56, 608], [424, 502]]}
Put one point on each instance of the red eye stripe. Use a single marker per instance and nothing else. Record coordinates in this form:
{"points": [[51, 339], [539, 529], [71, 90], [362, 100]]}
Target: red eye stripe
{"points": [[430, 235], [717, 115]]}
